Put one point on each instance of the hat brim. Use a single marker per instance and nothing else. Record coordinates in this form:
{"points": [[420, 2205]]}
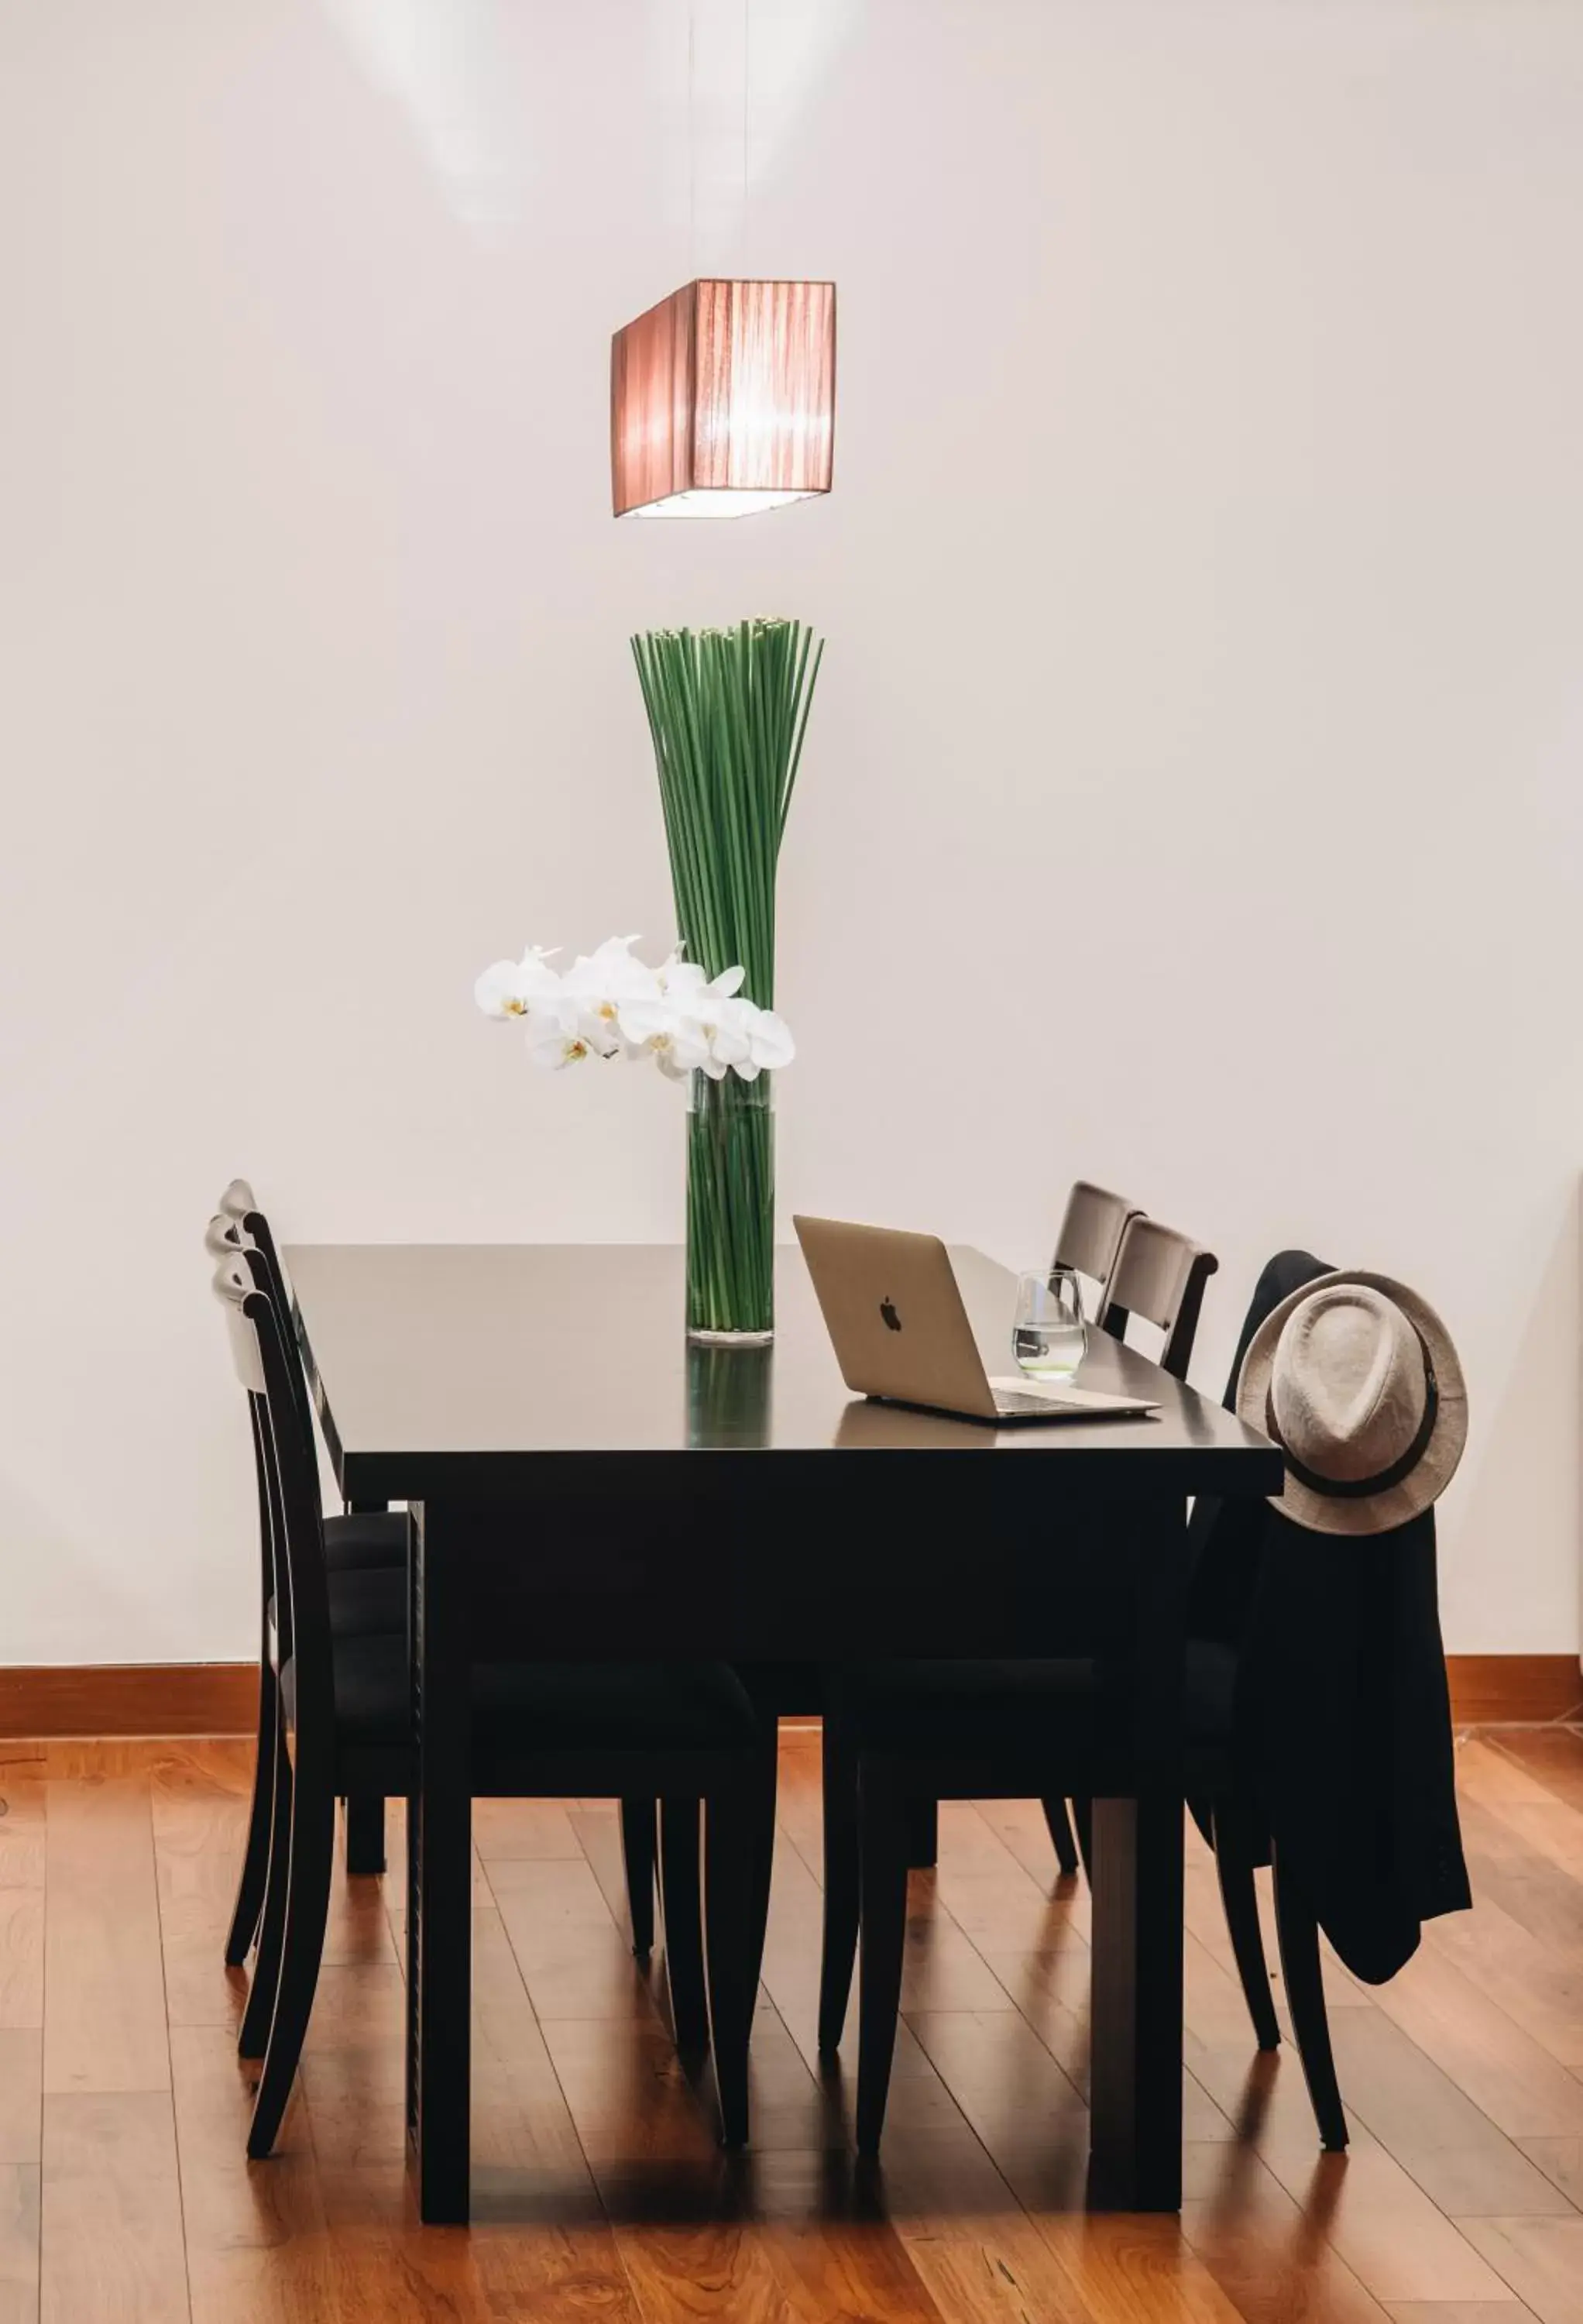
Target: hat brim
{"points": [[1375, 1512]]}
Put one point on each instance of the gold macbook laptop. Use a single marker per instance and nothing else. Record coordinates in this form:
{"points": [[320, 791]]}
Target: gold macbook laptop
{"points": [[894, 1311]]}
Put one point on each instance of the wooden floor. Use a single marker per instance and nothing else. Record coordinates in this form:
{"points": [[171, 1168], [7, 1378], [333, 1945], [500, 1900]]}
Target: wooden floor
{"points": [[598, 2190]]}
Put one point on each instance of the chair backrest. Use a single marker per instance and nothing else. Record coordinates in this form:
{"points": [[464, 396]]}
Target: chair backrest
{"points": [[264, 1365], [224, 1244], [1090, 1232], [239, 1206], [1160, 1276]]}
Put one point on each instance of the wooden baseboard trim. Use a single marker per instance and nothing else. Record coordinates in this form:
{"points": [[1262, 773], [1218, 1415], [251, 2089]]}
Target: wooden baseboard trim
{"points": [[105, 1699], [1513, 1690], [108, 1699]]}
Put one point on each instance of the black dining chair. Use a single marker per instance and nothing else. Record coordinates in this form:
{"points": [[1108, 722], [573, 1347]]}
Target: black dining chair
{"points": [[1091, 1228], [676, 1731], [1158, 1275], [899, 1732], [367, 1538], [1269, 1601], [889, 1730], [366, 1555]]}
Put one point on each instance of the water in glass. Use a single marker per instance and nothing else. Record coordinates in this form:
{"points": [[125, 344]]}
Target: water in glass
{"points": [[1049, 1335]]}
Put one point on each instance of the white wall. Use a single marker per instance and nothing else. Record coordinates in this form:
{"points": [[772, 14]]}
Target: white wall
{"points": [[1195, 789]]}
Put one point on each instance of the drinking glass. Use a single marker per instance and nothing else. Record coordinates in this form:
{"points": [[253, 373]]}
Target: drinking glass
{"points": [[1049, 1335]]}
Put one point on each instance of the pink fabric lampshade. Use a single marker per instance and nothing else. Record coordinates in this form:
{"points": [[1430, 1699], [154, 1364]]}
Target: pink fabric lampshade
{"points": [[723, 399]]}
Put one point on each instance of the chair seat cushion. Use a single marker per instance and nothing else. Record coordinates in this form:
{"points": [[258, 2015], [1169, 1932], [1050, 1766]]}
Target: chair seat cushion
{"points": [[972, 1708], [1048, 1712], [355, 1544], [370, 1603], [526, 1706]]}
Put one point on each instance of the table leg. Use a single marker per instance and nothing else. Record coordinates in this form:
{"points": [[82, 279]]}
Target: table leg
{"points": [[1136, 2076], [1136, 2079], [439, 1873]]}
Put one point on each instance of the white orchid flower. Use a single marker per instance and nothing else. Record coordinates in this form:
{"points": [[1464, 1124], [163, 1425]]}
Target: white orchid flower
{"points": [[769, 1041], [510, 987], [497, 991], [600, 986], [731, 1044], [610, 1003], [681, 1051], [551, 1045], [695, 996]]}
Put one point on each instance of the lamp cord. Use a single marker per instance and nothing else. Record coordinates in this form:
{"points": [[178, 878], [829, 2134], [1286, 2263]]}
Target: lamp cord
{"points": [[747, 85], [692, 137]]}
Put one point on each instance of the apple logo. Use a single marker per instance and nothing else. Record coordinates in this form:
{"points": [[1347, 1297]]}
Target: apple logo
{"points": [[889, 1315]]}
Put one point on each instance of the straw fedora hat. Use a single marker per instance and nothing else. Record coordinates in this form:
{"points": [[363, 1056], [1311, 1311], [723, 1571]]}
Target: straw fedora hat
{"points": [[1356, 1380]]}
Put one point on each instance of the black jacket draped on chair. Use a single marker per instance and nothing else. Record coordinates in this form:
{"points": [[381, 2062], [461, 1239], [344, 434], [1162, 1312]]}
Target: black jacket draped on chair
{"points": [[1342, 1721]]}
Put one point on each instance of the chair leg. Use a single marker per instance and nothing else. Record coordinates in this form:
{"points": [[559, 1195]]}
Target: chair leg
{"points": [[1058, 1824], [763, 1791], [841, 1885], [255, 1855], [732, 1837], [365, 1835], [883, 1838], [1240, 1901], [638, 1856], [922, 1830], [1083, 1823], [684, 1935], [1298, 1932], [252, 2039], [308, 1904]]}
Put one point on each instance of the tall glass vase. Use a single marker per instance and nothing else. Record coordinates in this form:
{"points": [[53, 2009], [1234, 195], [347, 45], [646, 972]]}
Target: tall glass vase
{"points": [[730, 1211]]}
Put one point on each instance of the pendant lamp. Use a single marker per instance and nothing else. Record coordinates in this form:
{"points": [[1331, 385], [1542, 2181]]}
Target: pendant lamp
{"points": [[723, 399]]}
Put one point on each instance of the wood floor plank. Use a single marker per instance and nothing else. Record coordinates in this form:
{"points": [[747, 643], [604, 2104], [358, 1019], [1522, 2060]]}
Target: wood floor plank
{"points": [[598, 1837], [1542, 2260], [1460, 2311], [200, 1823], [1518, 2083], [22, 1899], [504, 1828], [1133, 2270], [104, 1970], [1561, 2162], [19, 2242], [1551, 1756], [1003, 2078], [1449, 2145], [1376, 2216], [21, 2082], [1363, 2204], [833, 2249], [112, 2247], [575, 1961], [1265, 2250]]}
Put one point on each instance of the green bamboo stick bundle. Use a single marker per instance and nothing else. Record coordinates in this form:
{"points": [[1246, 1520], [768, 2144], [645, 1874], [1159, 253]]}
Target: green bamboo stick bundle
{"points": [[727, 711]]}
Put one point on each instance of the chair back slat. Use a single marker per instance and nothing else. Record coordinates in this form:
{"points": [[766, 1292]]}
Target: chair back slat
{"points": [[1091, 1231], [300, 1577], [237, 1199], [232, 1283], [240, 1209], [222, 1237], [1159, 1275]]}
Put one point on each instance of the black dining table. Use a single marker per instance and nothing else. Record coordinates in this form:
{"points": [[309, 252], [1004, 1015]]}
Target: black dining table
{"points": [[586, 1485]]}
